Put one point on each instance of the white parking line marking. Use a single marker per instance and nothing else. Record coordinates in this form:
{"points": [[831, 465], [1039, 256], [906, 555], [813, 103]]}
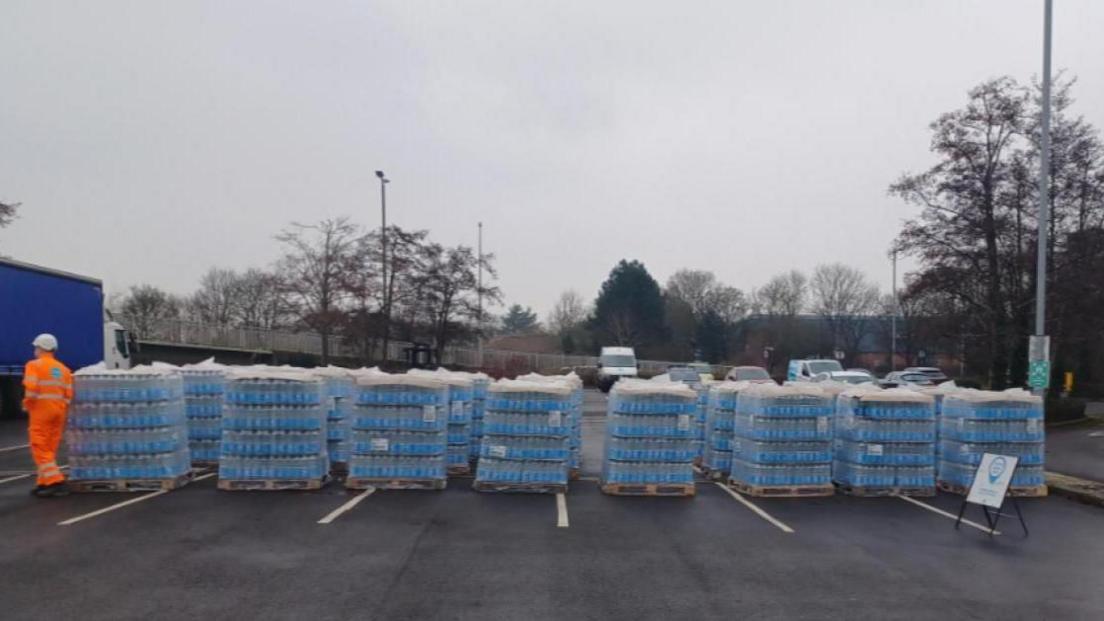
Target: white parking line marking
{"points": [[125, 503], [333, 515], [14, 448], [561, 511], [23, 476], [16, 477], [747, 503], [946, 514]]}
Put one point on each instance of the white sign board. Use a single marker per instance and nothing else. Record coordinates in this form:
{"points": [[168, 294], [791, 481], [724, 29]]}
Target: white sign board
{"points": [[991, 480]]}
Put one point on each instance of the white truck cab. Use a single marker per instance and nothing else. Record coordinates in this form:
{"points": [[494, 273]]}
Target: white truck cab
{"points": [[615, 363], [116, 339]]}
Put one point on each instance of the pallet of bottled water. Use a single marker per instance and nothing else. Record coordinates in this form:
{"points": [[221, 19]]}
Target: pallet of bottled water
{"points": [[204, 388], [461, 387], [782, 441], [400, 427], [574, 416], [720, 429], [975, 422], [701, 416], [480, 382], [337, 394], [526, 437], [127, 430], [885, 442], [273, 431], [650, 435]]}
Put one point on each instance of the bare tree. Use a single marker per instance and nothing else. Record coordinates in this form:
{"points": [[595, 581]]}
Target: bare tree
{"points": [[312, 272], [784, 295], [569, 312], [7, 213], [260, 300], [145, 305], [847, 300], [217, 297], [452, 290]]}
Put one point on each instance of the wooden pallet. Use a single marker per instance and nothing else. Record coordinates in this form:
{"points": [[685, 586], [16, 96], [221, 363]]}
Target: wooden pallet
{"points": [[459, 471], [271, 485], [649, 489], [520, 488], [783, 491], [131, 485], [1033, 491], [206, 465], [365, 483], [873, 492]]}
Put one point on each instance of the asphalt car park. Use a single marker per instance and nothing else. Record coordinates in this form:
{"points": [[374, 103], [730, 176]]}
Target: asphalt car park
{"points": [[198, 552]]}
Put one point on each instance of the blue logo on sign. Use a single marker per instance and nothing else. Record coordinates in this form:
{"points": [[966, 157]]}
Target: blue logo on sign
{"points": [[996, 469], [56, 373]]}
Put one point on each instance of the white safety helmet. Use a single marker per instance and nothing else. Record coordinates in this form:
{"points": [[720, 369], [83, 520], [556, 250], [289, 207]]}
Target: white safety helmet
{"points": [[45, 341]]}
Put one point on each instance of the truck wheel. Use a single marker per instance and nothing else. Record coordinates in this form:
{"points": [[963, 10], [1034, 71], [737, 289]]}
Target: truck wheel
{"points": [[11, 396]]}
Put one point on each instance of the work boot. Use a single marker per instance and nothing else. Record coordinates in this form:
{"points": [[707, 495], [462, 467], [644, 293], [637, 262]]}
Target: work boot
{"points": [[59, 489], [37, 489], [42, 491]]}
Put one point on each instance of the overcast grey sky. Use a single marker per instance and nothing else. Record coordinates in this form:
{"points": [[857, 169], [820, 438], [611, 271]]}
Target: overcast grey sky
{"points": [[149, 141]]}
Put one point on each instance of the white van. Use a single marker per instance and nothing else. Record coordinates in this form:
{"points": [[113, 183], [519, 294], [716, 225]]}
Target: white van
{"points": [[615, 363], [806, 370]]}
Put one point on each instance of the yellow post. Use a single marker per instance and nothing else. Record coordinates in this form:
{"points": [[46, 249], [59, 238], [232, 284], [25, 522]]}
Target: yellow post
{"points": [[1067, 386]]}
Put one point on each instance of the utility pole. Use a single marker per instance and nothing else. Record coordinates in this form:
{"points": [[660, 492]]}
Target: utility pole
{"points": [[384, 302], [893, 319], [479, 294], [1039, 354]]}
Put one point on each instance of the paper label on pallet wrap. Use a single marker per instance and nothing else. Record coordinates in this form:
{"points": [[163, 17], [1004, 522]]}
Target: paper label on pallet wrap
{"points": [[380, 445], [874, 449], [555, 418], [498, 450], [822, 424], [684, 422], [457, 408], [1032, 425], [429, 413]]}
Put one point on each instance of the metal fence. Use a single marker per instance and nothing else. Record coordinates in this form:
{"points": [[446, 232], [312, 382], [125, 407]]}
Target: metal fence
{"points": [[508, 362]]}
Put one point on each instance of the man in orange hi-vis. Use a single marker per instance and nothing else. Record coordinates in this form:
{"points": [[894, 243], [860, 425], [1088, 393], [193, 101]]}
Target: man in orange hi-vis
{"points": [[47, 390]]}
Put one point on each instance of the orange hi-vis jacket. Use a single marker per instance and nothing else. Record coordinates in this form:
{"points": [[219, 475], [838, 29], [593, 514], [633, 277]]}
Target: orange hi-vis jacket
{"points": [[47, 391]]}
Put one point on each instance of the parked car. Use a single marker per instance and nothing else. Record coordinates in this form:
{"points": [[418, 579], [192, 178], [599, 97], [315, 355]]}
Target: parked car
{"points": [[932, 373], [906, 378], [847, 377], [755, 375]]}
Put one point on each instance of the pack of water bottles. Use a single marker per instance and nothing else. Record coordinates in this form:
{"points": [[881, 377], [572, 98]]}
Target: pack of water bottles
{"points": [[337, 393], [273, 427], [885, 442], [204, 388], [783, 439], [574, 415], [975, 422], [719, 427], [127, 425], [461, 387], [400, 431], [526, 437], [650, 435]]}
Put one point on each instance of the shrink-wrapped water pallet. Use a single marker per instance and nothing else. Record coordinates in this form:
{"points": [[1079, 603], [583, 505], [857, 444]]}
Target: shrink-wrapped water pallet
{"points": [[526, 431], [399, 432], [273, 431], [650, 439], [204, 390], [975, 422], [127, 430], [885, 443], [783, 441]]}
